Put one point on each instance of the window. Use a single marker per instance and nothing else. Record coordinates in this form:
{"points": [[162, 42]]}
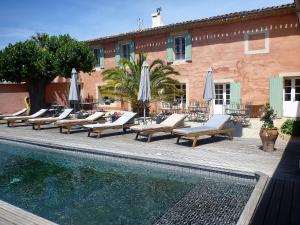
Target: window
{"points": [[181, 100], [222, 94], [227, 86], [219, 94], [97, 56], [287, 89], [179, 48], [292, 89], [125, 51]]}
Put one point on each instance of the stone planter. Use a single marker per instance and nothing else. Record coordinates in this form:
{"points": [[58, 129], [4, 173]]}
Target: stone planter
{"points": [[268, 138], [237, 128]]}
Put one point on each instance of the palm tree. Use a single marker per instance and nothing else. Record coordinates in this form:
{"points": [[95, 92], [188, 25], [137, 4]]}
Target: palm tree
{"points": [[122, 83]]}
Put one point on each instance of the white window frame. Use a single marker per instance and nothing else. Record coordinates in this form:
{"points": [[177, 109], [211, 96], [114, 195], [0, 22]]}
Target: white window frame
{"points": [[224, 94], [264, 50]]}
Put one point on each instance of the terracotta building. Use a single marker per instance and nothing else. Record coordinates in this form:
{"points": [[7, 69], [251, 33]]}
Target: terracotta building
{"points": [[255, 57]]}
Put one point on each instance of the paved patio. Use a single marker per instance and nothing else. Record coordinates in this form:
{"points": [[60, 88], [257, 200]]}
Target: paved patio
{"points": [[241, 154]]}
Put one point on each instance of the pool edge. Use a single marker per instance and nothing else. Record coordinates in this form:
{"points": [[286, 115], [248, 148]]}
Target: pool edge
{"points": [[255, 197], [16, 215]]}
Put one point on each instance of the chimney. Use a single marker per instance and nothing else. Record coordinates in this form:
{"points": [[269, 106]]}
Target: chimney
{"points": [[156, 18]]}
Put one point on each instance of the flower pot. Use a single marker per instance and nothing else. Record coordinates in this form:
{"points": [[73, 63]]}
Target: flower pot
{"points": [[268, 137]]}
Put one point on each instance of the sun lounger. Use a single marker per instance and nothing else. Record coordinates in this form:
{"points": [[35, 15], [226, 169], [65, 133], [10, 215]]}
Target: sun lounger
{"points": [[42, 121], [19, 113], [213, 126], [172, 122], [13, 119], [124, 122], [67, 124]]}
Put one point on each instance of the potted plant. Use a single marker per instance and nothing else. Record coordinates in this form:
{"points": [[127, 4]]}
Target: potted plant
{"points": [[268, 133]]}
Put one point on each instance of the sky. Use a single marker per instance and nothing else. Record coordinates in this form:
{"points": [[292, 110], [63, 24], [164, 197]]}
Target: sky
{"points": [[88, 19]]}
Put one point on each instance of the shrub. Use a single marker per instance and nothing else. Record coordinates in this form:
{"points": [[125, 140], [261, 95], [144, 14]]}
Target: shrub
{"points": [[268, 117], [291, 127]]}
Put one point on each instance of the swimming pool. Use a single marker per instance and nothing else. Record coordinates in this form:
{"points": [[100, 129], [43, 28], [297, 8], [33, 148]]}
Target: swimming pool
{"points": [[79, 188]]}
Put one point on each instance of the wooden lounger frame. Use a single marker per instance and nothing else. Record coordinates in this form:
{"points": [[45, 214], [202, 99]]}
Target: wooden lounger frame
{"points": [[40, 123], [12, 122], [99, 130], [149, 133], [68, 126], [194, 136]]}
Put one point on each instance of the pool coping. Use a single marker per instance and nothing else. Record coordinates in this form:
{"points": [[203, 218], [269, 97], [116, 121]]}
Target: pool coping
{"points": [[10, 214], [249, 209]]}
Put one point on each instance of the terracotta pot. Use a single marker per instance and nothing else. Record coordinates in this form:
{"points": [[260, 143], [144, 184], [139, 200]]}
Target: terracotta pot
{"points": [[268, 137]]}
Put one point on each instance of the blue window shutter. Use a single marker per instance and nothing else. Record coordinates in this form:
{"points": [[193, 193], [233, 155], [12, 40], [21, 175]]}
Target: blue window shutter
{"points": [[170, 51], [131, 50], [117, 54], [101, 58], [275, 98], [188, 47], [235, 93]]}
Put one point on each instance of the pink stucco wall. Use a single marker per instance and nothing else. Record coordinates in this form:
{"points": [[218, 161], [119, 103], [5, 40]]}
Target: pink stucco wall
{"points": [[12, 96]]}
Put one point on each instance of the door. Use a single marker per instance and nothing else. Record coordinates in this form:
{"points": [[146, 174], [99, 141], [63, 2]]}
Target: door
{"points": [[291, 97], [222, 98]]}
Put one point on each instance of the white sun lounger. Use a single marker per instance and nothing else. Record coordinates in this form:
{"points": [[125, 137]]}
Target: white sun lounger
{"points": [[213, 126], [13, 119], [47, 120], [124, 122], [19, 113], [67, 124], [172, 122]]}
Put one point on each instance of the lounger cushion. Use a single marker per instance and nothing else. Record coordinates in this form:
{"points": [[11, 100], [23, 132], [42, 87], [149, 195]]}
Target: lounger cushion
{"points": [[91, 118], [213, 124], [217, 121], [141, 128], [125, 118], [95, 116], [37, 114], [19, 112], [193, 130], [64, 114], [174, 120], [101, 125]]}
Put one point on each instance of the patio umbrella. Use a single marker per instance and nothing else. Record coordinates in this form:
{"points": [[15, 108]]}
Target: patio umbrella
{"points": [[74, 90], [209, 90], [144, 88]]}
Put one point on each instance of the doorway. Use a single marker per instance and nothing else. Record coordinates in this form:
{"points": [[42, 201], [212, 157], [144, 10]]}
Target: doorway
{"points": [[291, 97]]}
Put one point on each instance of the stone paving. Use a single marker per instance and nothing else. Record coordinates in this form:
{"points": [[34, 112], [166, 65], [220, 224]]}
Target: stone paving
{"points": [[241, 154]]}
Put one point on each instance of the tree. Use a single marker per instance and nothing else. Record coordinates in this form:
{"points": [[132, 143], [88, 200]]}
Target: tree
{"points": [[38, 60], [122, 83]]}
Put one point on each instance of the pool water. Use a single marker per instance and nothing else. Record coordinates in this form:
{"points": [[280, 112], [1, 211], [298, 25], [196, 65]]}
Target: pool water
{"points": [[84, 189]]}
